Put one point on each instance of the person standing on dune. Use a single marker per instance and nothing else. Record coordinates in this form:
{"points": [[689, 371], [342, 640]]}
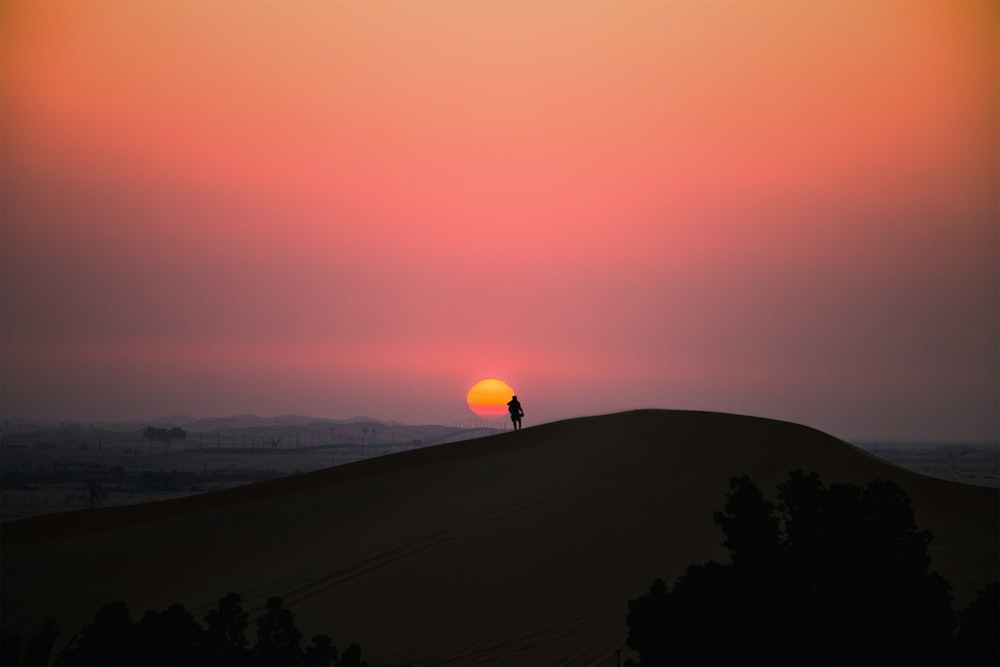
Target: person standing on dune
{"points": [[514, 407]]}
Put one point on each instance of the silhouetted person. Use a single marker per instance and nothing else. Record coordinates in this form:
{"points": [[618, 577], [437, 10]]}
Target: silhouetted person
{"points": [[514, 407]]}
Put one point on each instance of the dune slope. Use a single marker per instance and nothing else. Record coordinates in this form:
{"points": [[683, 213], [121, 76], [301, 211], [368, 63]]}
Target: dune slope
{"points": [[522, 548]]}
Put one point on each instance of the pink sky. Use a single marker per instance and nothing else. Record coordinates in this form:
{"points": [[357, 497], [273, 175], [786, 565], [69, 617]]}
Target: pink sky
{"points": [[338, 208]]}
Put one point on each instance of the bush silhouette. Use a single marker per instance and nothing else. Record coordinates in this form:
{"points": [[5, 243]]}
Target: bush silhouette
{"points": [[834, 574]]}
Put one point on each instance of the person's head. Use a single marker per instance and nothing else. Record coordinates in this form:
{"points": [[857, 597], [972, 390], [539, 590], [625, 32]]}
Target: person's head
{"points": [[513, 398]]}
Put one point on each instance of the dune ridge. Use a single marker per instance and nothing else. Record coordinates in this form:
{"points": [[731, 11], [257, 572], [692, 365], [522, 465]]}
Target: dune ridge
{"points": [[521, 548]]}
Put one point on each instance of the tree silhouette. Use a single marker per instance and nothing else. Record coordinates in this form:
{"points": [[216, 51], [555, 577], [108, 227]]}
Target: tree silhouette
{"points": [[225, 632], [858, 564], [109, 640], [320, 652], [278, 640], [749, 524], [647, 618], [40, 646], [174, 637], [36, 650], [834, 574], [352, 657], [978, 625], [10, 648], [171, 637]]}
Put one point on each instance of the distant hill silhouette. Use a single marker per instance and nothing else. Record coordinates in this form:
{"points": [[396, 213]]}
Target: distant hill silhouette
{"points": [[513, 549]]}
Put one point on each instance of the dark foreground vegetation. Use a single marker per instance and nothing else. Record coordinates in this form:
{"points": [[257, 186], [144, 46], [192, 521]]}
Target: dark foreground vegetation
{"points": [[828, 575], [833, 574], [175, 637]]}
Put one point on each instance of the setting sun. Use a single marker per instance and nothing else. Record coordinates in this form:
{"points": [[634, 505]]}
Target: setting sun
{"points": [[488, 398]]}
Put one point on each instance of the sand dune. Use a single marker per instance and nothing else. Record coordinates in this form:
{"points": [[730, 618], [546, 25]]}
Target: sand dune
{"points": [[522, 548]]}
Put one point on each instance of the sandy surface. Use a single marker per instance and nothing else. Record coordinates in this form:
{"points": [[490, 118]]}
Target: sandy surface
{"points": [[522, 548]]}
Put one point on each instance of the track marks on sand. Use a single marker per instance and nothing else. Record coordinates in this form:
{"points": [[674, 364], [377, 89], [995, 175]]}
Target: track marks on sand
{"points": [[510, 642], [317, 581]]}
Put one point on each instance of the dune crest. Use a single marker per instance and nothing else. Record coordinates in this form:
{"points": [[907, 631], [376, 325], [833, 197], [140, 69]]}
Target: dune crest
{"points": [[518, 548]]}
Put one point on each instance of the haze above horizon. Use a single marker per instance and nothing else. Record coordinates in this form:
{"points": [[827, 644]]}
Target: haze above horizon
{"points": [[778, 209]]}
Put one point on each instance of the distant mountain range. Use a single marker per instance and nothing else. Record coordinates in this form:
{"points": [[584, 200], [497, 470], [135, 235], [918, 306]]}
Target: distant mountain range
{"points": [[249, 421]]}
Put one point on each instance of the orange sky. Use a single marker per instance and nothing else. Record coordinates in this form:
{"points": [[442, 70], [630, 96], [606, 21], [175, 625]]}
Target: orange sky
{"points": [[333, 208]]}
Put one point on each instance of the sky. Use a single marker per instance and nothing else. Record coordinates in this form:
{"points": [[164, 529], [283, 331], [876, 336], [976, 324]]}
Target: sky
{"points": [[783, 209]]}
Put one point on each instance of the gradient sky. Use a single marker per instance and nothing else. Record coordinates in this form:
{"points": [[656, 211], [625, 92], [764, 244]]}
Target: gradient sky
{"points": [[786, 209]]}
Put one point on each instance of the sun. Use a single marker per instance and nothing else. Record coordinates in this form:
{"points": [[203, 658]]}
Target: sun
{"points": [[488, 398]]}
